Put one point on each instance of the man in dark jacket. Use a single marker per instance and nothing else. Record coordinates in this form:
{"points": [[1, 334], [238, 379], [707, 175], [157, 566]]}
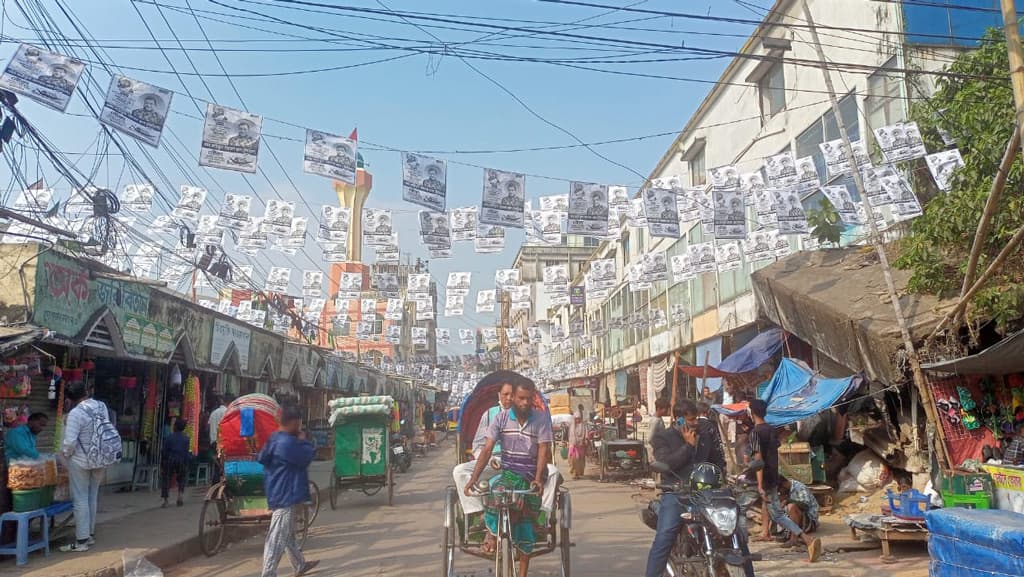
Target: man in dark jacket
{"points": [[285, 459], [688, 442]]}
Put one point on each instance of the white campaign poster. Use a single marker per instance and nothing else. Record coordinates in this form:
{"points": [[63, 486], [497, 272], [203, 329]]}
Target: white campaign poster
{"points": [[231, 139], [662, 209], [758, 246], [418, 286], [330, 155], [208, 232], [556, 203], [234, 213], [253, 237], [781, 170], [46, 77], [464, 222], [424, 181], [377, 226], [33, 199], [458, 283], [504, 197], [681, 269], [190, 203], [842, 202], [943, 165], [486, 300], [435, 230], [136, 108], [137, 198], [489, 239], [790, 212], [351, 285], [702, 257], [728, 256], [588, 209], [278, 279], [506, 277], [278, 217], [334, 223], [312, 283]]}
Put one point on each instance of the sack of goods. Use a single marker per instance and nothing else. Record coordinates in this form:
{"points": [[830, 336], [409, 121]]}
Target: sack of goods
{"points": [[349, 407]]}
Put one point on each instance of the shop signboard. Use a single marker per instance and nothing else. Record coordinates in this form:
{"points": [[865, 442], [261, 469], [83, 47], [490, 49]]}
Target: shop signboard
{"points": [[141, 336], [1009, 487], [226, 334], [266, 347]]}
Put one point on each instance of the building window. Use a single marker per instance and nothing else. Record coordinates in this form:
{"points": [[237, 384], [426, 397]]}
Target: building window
{"points": [[698, 174], [591, 242], [883, 104], [947, 23], [772, 89], [824, 129]]}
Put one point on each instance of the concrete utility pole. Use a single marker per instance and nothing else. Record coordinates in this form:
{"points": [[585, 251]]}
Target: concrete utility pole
{"points": [[876, 240]]}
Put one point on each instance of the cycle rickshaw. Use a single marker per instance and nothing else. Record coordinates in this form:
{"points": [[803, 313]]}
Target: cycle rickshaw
{"points": [[362, 446], [238, 499], [465, 532]]}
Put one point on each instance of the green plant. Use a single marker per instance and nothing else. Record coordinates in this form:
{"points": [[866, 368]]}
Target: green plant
{"points": [[975, 105], [825, 224]]}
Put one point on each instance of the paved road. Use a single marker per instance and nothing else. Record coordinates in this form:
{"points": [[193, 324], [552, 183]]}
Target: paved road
{"points": [[366, 538]]}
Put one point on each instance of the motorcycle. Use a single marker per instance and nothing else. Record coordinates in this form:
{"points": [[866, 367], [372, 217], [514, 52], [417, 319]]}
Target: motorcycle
{"points": [[709, 542], [401, 458]]}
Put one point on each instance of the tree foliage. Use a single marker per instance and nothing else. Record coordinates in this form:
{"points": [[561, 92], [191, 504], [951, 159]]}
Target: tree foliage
{"points": [[976, 108], [825, 224]]}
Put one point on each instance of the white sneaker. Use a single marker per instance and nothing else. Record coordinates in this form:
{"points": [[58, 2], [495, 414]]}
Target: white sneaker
{"points": [[74, 548], [91, 541]]}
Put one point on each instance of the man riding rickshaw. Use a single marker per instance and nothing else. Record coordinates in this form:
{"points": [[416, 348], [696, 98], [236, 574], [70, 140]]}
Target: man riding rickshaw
{"points": [[505, 449]]}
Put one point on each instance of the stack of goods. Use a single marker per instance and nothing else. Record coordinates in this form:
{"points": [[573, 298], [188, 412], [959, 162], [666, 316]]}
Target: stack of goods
{"points": [[349, 407], [248, 423], [32, 482]]}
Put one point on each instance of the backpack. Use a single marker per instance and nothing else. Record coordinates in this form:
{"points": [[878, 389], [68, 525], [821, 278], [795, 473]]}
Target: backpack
{"points": [[104, 447]]}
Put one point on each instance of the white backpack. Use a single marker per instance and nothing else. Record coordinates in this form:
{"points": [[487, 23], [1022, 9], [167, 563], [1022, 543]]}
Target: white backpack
{"points": [[104, 447]]}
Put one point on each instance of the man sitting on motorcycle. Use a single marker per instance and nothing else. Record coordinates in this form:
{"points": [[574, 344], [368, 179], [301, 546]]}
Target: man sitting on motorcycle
{"points": [[525, 435], [685, 444]]}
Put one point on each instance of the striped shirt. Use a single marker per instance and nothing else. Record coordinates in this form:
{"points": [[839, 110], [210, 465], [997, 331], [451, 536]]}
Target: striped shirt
{"points": [[520, 441]]}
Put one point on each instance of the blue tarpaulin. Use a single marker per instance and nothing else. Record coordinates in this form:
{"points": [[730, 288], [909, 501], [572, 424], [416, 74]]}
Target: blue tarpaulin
{"points": [[750, 356], [794, 394], [975, 543]]}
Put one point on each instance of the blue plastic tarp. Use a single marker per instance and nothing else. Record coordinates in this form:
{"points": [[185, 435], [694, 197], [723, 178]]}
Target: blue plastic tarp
{"points": [[975, 543], [794, 394], [752, 355]]}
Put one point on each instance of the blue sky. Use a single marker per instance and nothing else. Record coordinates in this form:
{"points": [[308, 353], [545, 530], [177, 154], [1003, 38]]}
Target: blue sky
{"points": [[418, 102]]}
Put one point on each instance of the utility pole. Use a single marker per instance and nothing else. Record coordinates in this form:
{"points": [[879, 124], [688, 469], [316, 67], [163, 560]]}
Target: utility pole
{"points": [[1013, 49], [883, 260]]}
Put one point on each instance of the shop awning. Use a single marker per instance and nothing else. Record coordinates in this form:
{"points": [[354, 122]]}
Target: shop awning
{"points": [[747, 358], [1003, 358], [11, 338], [836, 301], [795, 393]]}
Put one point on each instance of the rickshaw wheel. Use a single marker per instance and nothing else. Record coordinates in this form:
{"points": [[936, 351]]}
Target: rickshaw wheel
{"points": [[211, 523], [313, 507], [564, 545], [333, 491], [505, 559], [301, 525], [390, 480], [448, 541]]}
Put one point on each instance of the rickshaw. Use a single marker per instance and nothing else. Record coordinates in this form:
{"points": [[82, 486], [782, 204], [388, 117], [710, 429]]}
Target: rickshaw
{"points": [[238, 499], [362, 446], [467, 532]]}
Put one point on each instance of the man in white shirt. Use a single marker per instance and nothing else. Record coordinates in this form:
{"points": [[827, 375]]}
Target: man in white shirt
{"points": [[215, 418], [84, 476]]}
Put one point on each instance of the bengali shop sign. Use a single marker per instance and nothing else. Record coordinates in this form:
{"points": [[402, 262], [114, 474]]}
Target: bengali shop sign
{"points": [[1009, 486]]}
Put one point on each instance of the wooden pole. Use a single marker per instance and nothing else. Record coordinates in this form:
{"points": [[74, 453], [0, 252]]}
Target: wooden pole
{"points": [[675, 381], [1016, 55], [883, 259], [704, 377]]}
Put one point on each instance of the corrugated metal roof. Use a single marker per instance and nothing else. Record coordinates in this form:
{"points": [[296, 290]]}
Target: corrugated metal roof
{"points": [[13, 337], [1003, 358]]}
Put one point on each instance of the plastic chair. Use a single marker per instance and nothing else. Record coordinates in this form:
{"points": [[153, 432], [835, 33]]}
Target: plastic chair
{"points": [[146, 477], [22, 546], [202, 474]]}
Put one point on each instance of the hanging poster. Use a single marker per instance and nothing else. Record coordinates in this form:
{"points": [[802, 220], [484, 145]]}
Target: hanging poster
{"points": [[312, 283], [425, 310], [758, 246], [253, 237], [395, 309], [943, 165], [636, 214], [393, 334], [764, 205], [234, 213], [662, 209], [350, 285], [136, 108], [808, 178], [458, 283], [520, 297], [330, 155], [602, 273], [900, 141], [513, 336], [506, 277], [368, 309], [418, 286], [424, 181], [535, 335], [751, 183], [550, 224], [46, 77], [504, 197], [137, 198], [208, 233], [435, 230], [334, 223], [556, 283], [681, 269], [728, 256], [386, 284], [334, 252], [790, 212], [781, 170], [278, 279], [377, 227], [836, 161], [454, 305], [489, 239], [464, 221], [278, 216], [419, 336], [588, 209], [556, 203], [654, 267], [190, 203], [702, 257], [618, 200], [842, 202], [443, 336], [467, 337], [231, 139], [486, 301], [33, 199], [729, 213]]}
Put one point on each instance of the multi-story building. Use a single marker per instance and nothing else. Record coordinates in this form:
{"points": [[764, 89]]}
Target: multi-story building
{"points": [[770, 99], [530, 261]]}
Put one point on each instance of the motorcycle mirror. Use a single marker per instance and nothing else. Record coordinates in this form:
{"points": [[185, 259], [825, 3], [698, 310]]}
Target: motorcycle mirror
{"points": [[482, 487], [402, 422], [660, 467], [755, 466]]}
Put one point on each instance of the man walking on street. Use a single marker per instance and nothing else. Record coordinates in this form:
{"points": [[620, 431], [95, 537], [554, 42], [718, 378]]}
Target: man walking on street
{"points": [[765, 446], [214, 422], [285, 459]]}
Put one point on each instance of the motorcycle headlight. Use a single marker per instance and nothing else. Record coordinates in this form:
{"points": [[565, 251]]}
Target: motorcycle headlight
{"points": [[723, 518]]}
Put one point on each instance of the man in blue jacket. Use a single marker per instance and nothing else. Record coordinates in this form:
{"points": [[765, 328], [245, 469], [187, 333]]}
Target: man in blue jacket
{"points": [[285, 459]]}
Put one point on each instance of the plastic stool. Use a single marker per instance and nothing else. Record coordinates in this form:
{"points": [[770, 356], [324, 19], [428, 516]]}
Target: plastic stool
{"points": [[202, 474], [22, 546], [146, 477]]}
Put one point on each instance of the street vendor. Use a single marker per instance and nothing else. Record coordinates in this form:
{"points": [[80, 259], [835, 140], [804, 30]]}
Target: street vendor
{"points": [[525, 435], [21, 440]]}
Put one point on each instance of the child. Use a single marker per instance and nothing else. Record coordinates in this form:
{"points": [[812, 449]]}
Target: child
{"points": [[174, 462]]}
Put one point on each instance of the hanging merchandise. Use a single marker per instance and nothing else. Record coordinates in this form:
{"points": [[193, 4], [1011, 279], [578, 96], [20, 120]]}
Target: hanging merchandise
{"points": [[149, 412], [190, 412]]}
